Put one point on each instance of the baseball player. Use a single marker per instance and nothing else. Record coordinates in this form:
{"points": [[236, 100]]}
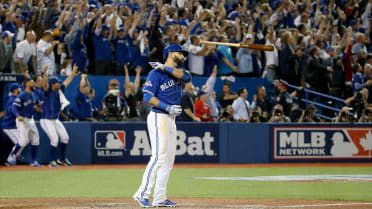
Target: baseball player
{"points": [[23, 109], [163, 92], [9, 121], [54, 102]]}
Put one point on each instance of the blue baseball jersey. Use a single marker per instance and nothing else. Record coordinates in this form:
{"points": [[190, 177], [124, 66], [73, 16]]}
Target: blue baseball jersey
{"points": [[39, 96], [102, 48], [84, 106], [24, 105], [9, 117], [164, 87], [52, 104], [123, 49]]}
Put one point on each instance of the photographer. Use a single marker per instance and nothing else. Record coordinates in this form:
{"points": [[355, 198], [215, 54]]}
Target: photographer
{"points": [[227, 114], [256, 116], [366, 116], [278, 116], [309, 115], [343, 116], [358, 102], [114, 106]]}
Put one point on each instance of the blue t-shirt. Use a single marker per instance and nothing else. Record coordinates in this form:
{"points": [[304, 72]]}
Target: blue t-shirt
{"points": [[102, 48], [24, 105], [224, 52], [122, 49], [164, 87], [52, 104], [9, 117], [84, 105]]}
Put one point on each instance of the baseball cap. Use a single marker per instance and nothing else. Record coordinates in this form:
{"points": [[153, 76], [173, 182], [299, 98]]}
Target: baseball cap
{"points": [[201, 92], [21, 17], [121, 29], [172, 48], [329, 48], [105, 27], [14, 86], [7, 34], [54, 80]]}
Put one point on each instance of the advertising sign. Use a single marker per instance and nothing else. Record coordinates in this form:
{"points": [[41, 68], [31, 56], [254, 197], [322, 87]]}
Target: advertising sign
{"points": [[322, 143], [130, 143]]}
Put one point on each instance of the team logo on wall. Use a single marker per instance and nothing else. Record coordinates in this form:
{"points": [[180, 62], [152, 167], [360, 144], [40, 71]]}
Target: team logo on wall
{"points": [[327, 143], [107, 141]]}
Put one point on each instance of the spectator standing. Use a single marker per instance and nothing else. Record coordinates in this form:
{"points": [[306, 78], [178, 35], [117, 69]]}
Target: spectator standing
{"points": [[51, 12], [226, 64], [272, 58], [337, 78], [244, 55], [316, 73], [278, 116], [262, 102], [45, 53], [21, 31], [102, 48], [196, 55], [287, 61], [359, 45], [202, 110], [79, 49], [241, 106], [187, 103], [6, 53], [227, 97], [25, 52]]}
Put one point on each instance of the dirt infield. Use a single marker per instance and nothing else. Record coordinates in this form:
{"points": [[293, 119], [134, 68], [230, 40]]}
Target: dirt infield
{"points": [[185, 203]]}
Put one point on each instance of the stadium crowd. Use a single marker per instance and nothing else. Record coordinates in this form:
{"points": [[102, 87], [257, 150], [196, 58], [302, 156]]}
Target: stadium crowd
{"points": [[322, 45]]}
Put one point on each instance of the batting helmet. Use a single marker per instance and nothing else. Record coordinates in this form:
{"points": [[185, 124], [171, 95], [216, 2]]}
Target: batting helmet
{"points": [[172, 48]]}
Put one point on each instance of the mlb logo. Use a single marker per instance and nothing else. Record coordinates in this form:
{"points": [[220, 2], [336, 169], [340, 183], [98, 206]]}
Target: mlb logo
{"points": [[109, 140]]}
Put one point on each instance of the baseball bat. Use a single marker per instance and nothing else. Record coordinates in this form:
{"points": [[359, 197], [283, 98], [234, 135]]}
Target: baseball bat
{"points": [[240, 45]]}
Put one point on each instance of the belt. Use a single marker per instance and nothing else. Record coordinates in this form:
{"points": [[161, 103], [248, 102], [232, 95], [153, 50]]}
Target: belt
{"points": [[28, 117]]}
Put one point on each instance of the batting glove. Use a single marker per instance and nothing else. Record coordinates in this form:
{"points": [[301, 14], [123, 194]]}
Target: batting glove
{"points": [[157, 65], [174, 109]]}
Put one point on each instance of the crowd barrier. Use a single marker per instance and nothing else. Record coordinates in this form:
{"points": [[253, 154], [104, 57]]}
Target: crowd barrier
{"points": [[115, 143]]}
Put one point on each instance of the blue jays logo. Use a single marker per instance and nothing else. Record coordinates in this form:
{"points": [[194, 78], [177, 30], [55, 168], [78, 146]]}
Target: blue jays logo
{"points": [[109, 140]]}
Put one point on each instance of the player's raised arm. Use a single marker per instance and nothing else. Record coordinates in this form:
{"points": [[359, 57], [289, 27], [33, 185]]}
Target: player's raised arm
{"points": [[45, 78], [69, 79], [174, 57]]}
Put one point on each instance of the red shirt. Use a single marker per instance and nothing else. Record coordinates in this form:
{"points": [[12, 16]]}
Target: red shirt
{"points": [[200, 109]]}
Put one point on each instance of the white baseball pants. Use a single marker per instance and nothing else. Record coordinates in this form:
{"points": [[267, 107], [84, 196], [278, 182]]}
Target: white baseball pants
{"points": [[13, 135], [163, 135], [54, 129], [28, 132]]}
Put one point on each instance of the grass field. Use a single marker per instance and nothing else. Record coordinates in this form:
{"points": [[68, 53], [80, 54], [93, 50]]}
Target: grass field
{"points": [[52, 183]]}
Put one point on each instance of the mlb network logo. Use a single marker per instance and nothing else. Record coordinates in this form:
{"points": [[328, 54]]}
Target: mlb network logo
{"points": [[109, 140], [320, 142]]}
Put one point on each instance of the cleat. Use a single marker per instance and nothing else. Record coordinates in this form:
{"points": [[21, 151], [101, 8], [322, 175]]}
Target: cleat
{"points": [[166, 203], [143, 203], [66, 162], [53, 164], [12, 161], [35, 164]]}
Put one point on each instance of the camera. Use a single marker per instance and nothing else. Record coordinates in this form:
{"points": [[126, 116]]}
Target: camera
{"points": [[113, 106], [277, 112]]}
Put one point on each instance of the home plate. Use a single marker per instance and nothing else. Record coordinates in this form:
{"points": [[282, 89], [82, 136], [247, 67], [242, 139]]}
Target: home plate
{"points": [[306, 178]]}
